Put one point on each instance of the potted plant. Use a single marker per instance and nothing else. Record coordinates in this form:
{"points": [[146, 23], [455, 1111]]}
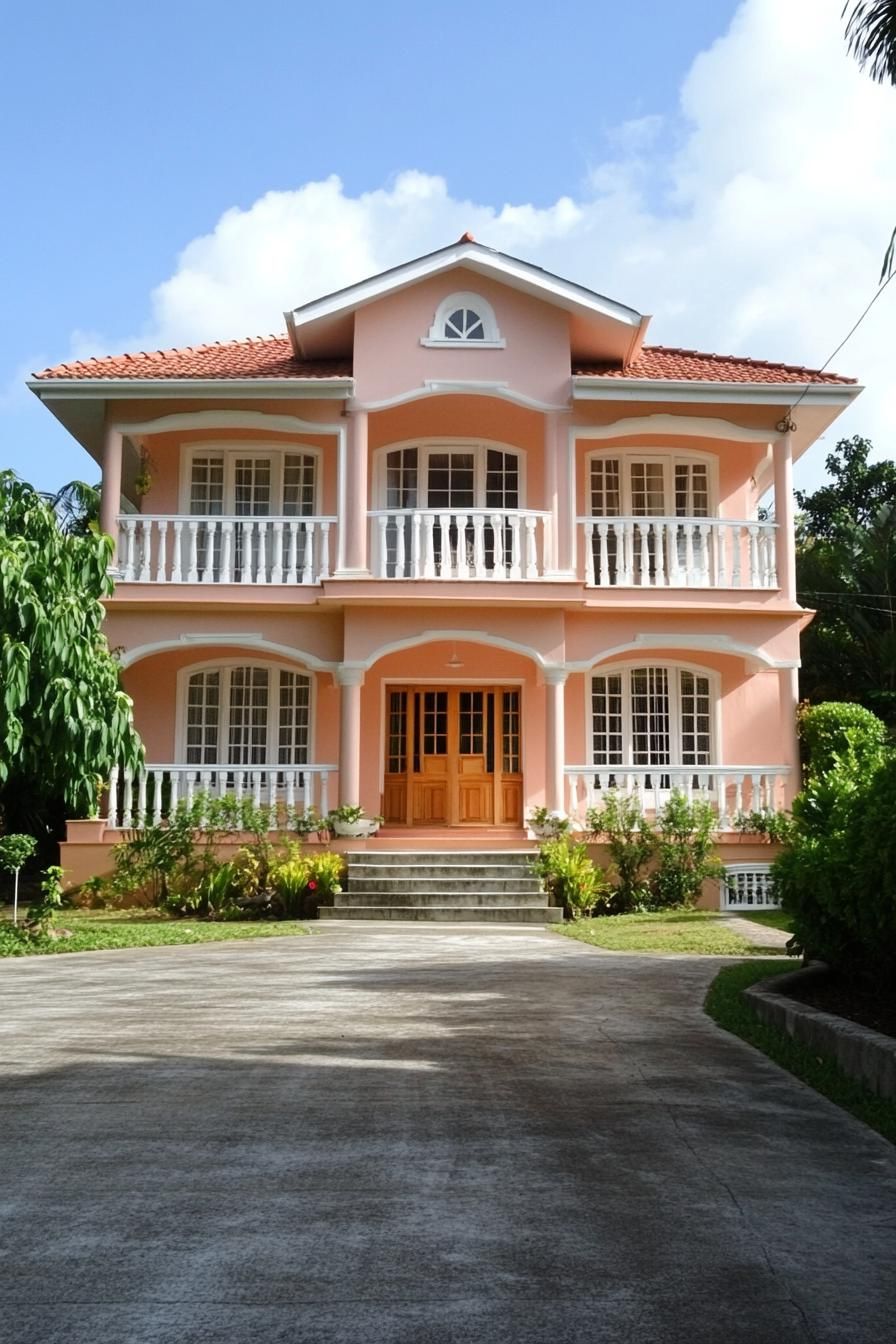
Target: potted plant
{"points": [[547, 825], [352, 822]]}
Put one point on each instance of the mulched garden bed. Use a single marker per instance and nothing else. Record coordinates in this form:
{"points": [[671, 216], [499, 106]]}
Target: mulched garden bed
{"points": [[870, 1008]]}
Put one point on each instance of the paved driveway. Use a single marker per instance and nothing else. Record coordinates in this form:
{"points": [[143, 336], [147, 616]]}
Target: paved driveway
{"points": [[419, 1135]]}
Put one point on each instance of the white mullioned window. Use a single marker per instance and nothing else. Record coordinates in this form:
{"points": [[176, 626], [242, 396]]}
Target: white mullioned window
{"points": [[246, 714], [465, 319], [251, 482], [652, 716], [650, 485]]}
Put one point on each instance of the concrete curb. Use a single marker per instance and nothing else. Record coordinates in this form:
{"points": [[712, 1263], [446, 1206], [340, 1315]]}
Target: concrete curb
{"points": [[864, 1055]]}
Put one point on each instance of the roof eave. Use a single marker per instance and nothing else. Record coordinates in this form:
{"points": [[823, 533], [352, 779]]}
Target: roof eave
{"points": [[592, 387], [113, 389]]}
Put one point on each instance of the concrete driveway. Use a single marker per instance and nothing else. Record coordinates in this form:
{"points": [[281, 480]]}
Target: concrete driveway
{"points": [[419, 1135]]}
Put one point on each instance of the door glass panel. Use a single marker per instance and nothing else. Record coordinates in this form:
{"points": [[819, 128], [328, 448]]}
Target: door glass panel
{"points": [[401, 493], [510, 733], [650, 716], [695, 743], [691, 490], [471, 722], [252, 487], [397, 758], [248, 733], [298, 485], [207, 500], [605, 496], [648, 489], [606, 711], [435, 723], [203, 707], [295, 700], [450, 481]]}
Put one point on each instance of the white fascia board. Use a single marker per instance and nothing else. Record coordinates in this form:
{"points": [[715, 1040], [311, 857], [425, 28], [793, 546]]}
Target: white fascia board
{"points": [[530, 278], [112, 389], [591, 388]]}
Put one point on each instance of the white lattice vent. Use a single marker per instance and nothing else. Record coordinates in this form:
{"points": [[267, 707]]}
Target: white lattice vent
{"points": [[749, 886]]}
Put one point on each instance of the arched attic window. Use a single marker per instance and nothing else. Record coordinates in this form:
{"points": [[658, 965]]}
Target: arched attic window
{"points": [[465, 319]]}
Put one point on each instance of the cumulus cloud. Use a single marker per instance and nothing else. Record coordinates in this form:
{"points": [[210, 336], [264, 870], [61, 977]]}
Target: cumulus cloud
{"points": [[752, 221]]}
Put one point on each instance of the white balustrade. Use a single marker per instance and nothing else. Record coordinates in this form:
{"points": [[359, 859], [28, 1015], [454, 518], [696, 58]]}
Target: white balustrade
{"points": [[679, 553], [459, 543], [140, 798], [224, 549], [730, 789]]}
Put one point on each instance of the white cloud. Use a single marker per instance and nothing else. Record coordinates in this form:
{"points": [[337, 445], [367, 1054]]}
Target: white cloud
{"points": [[760, 231]]}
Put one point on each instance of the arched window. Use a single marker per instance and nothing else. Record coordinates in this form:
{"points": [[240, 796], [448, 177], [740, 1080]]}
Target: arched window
{"points": [[652, 716], [463, 319], [246, 714]]}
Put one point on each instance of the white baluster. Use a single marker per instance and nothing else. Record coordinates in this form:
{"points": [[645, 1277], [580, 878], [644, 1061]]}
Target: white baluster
{"points": [[516, 571], [157, 777], [292, 551], [589, 554], [738, 794], [141, 798], [627, 548], [382, 559], [256, 787], [277, 552], [247, 545], [145, 550], [193, 567], [446, 567], [308, 556], [177, 552], [261, 574], [130, 529], [162, 553], [704, 530], [174, 776], [324, 566], [531, 547], [127, 802], [479, 546], [753, 532], [290, 789], [210, 527], [112, 813], [603, 531], [429, 549], [660, 531], [689, 574], [416, 567], [736, 544], [644, 530], [400, 558], [324, 792], [674, 554], [464, 567], [191, 787], [500, 569], [719, 534]]}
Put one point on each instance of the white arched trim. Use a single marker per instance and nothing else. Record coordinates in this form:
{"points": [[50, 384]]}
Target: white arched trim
{"points": [[451, 636], [475, 307], [256, 643], [223, 419], [756, 659], [690, 426], [467, 387]]}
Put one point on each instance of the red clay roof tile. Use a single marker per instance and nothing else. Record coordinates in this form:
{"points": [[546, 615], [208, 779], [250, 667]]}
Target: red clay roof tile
{"points": [[660, 361]]}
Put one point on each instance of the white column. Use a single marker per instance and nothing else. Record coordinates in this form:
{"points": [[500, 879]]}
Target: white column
{"points": [[353, 498], [350, 680], [785, 553], [110, 498], [788, 700], [560, 486], [554, 737]]}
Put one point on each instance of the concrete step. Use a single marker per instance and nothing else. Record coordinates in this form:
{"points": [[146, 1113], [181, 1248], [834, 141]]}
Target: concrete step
{"points": [[439, 872], [454, 858], [494, 914], [400, 886], [473, 898]]}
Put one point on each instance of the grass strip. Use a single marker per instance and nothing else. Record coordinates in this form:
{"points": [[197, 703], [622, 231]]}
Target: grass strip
{"points": [[692, 931], [772, 919], [102, 930], [727, 1006]]}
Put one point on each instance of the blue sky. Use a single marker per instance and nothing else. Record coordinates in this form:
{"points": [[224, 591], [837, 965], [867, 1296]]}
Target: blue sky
{"points": [[580, 137]]}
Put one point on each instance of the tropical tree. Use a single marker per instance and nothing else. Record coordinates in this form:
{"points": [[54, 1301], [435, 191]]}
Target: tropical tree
{"points": [[846, 570], [871, 39], [77, 507], [64, 718]]}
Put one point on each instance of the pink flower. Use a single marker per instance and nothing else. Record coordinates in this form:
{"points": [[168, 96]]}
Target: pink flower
{"points": [[312, 885]]}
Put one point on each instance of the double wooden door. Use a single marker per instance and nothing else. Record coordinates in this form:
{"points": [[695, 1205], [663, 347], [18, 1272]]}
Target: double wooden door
{"points": [[453, 756]]}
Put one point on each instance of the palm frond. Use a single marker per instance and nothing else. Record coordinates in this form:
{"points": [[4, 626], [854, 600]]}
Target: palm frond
{"points": [[871, 37]]}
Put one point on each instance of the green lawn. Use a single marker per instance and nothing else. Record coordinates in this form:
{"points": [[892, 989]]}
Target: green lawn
{"points": [[772, 919], [726, 1005], [99, 930], [700, 931]]}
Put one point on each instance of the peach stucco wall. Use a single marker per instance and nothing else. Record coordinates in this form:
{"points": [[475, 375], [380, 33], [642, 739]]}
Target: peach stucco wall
{"points": [[389, 358]]}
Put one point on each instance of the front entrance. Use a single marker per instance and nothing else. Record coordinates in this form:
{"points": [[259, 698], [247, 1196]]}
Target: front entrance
{"points": [[453, 756]]}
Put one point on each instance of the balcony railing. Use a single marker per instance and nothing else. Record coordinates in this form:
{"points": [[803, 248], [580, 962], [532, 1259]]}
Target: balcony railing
{"points": [[458, 543], [679, 553], [224, 549], [730, 789], [140, 798]]}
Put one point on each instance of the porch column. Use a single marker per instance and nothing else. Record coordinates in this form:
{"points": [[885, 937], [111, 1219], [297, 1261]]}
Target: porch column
{"points": [[785, 554], [554, 738], [110, 497], [560, 494], [350, 680], [353, 498], [788, 700]]}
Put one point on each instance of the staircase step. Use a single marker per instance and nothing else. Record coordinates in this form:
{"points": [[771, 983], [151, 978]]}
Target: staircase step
{"points": [[494, 914], [473, 898], [402, 886]]}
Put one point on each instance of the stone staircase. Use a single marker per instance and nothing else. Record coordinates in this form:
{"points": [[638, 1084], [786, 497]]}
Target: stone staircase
{"points": [[449, 887]]}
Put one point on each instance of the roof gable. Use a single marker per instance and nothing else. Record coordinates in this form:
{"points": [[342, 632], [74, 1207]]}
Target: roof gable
{"points": [[600, 328]]}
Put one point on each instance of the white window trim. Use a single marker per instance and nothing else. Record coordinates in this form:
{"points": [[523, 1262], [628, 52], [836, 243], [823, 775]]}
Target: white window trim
{"points": [[669, 458], [672, 668], [425, 446], [230, 450], [224, 664], [492, 338]]}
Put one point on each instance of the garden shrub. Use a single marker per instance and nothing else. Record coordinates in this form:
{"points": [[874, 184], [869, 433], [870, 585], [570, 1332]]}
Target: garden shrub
{"points": [[833, 728], [632, 844], [684, 849], [570, 876]]}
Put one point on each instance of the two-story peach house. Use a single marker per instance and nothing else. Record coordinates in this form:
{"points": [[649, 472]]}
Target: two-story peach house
{"points": [[456, 545]]}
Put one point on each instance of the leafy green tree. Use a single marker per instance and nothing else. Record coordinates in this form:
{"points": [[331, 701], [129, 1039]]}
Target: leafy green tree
{"points": [[846, 570], [64, 718], [77, 507], [871, 38], [15, 851]]}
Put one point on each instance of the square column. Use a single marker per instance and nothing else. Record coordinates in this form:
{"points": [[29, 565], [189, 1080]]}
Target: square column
{"points": [[785, 551], [554, 737], [110, 497], [349, 680], [352, 495], [560, 484], [788, 701]]}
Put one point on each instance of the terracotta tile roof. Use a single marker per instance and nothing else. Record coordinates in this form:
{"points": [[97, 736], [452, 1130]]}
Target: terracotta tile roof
{"points": [[660, 361], [258, 357]]}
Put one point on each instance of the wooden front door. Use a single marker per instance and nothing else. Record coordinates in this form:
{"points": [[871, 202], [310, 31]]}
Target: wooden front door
{"points": [[453, 756]]}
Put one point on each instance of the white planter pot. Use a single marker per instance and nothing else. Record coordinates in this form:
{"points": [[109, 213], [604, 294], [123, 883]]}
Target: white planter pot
{"points": [[356, 830]]}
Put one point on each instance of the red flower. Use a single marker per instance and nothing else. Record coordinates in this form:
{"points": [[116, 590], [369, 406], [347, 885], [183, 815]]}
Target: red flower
{"points": [[312, 885]]}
